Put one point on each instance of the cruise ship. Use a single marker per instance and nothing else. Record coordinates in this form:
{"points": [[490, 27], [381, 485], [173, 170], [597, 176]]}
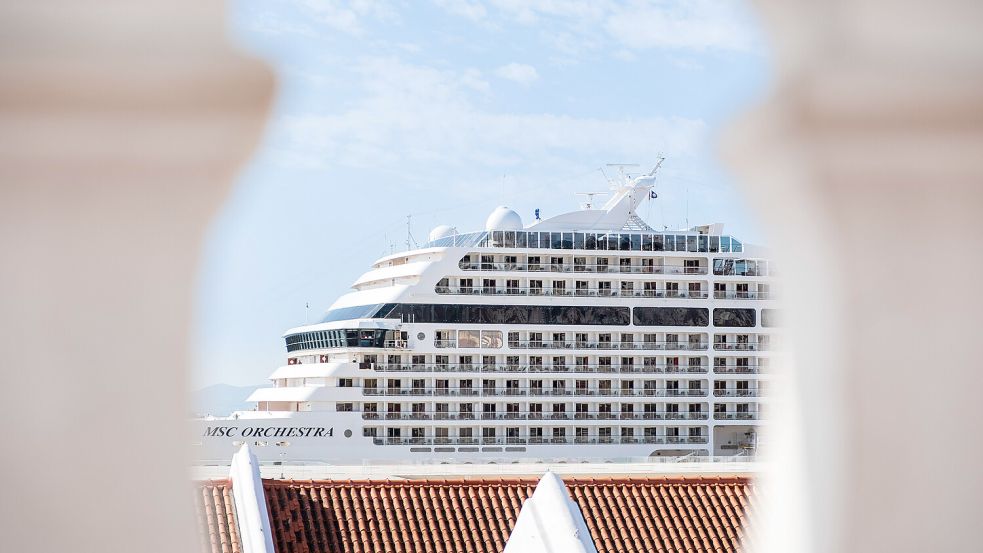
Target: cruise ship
{"points": [[584, 336]]}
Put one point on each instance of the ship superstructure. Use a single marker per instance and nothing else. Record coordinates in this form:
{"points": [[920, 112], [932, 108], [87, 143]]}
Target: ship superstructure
{"points": [[587, 335]]}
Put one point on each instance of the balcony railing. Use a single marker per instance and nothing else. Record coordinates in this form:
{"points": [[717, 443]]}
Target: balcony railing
{"points": [[582, 292], [736, 369], [537, 415], [584, 268], [736, 393], [735, 416], [740, 346], [566, 440], [568, 369], [621, 346], [742, 295], [532, 391]]}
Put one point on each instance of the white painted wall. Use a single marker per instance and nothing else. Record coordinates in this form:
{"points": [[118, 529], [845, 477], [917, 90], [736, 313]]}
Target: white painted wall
{"points": [[868, 150]]}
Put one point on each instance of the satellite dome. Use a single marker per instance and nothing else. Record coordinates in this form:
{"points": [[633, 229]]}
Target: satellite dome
{"points": [[441, 231], [503, 218]]}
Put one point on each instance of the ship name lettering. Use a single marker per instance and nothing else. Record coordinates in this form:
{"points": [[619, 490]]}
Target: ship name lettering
{"points": [[221, 431], [268, 432]]}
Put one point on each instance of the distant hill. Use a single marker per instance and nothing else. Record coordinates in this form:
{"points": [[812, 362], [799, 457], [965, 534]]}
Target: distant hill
{"points": [[221, 399]]}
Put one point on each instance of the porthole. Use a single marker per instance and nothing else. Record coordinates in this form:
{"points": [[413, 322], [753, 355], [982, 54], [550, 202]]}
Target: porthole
{"points": [[348, 433], [420, 336]]}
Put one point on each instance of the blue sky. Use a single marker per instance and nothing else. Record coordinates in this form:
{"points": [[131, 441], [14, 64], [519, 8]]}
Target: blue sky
{"points": [[443, 110]]}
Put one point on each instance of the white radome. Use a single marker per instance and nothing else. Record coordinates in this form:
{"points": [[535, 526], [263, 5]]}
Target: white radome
{"points": [[503, 218], [441, 231]]}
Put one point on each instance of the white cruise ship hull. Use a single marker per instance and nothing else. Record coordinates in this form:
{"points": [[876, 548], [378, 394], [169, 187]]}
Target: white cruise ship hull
{"points": [[336, 438], [585, 336]]}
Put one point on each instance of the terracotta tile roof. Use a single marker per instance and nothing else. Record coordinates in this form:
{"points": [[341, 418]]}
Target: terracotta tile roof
{"points": [[623, 514], [216, 519]]}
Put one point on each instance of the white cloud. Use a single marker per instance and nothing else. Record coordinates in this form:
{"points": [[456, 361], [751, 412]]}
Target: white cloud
{"points": [[696, 24], [346, 16], [518, 72], [272, 24], [636, 24], [425, 117], [469, 9]]}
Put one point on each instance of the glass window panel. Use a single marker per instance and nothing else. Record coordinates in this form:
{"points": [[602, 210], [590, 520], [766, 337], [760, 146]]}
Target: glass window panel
{"points": [[520, 239], [491, 338], [602, 242], [736, 246], [578, 241], [670, 243], [769, 317], [734, 317], [714, 244], [718, 266], [590, 241], [533, 240], [468, 338], [657, 244], [544, 240], [670, 316], [567, 242], [636, 242], [510, 239], [725, 244], [691, 245], [646, 242], [498, 238], [703, 244], [624, 242]]}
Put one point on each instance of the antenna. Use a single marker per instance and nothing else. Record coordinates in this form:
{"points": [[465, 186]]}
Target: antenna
{"points": [[621, 168], [589, 204], [409, 233], [307, 313], [687, 207], [605, 175]]}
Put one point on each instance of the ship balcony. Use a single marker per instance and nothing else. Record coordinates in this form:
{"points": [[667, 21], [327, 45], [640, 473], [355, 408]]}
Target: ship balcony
{"points": [[737, 369], [752, 392], [620, 346], [740, 346], [585, 268], [582, 292], [565, 369], [543, 440], [540, 416], [747, 416], [534, 392], [750, 295]]}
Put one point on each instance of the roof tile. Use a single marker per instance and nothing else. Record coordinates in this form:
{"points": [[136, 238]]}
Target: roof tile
{"points": [[637, 514]]}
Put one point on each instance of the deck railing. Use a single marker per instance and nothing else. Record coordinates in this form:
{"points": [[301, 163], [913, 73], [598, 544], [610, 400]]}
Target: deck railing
{"points": [[531, 391], [566, 440], [583, 268]]}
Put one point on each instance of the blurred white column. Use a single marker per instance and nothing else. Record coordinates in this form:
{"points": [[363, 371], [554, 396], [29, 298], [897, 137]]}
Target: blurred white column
{"points": [[866, 165], [121, 126]]}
